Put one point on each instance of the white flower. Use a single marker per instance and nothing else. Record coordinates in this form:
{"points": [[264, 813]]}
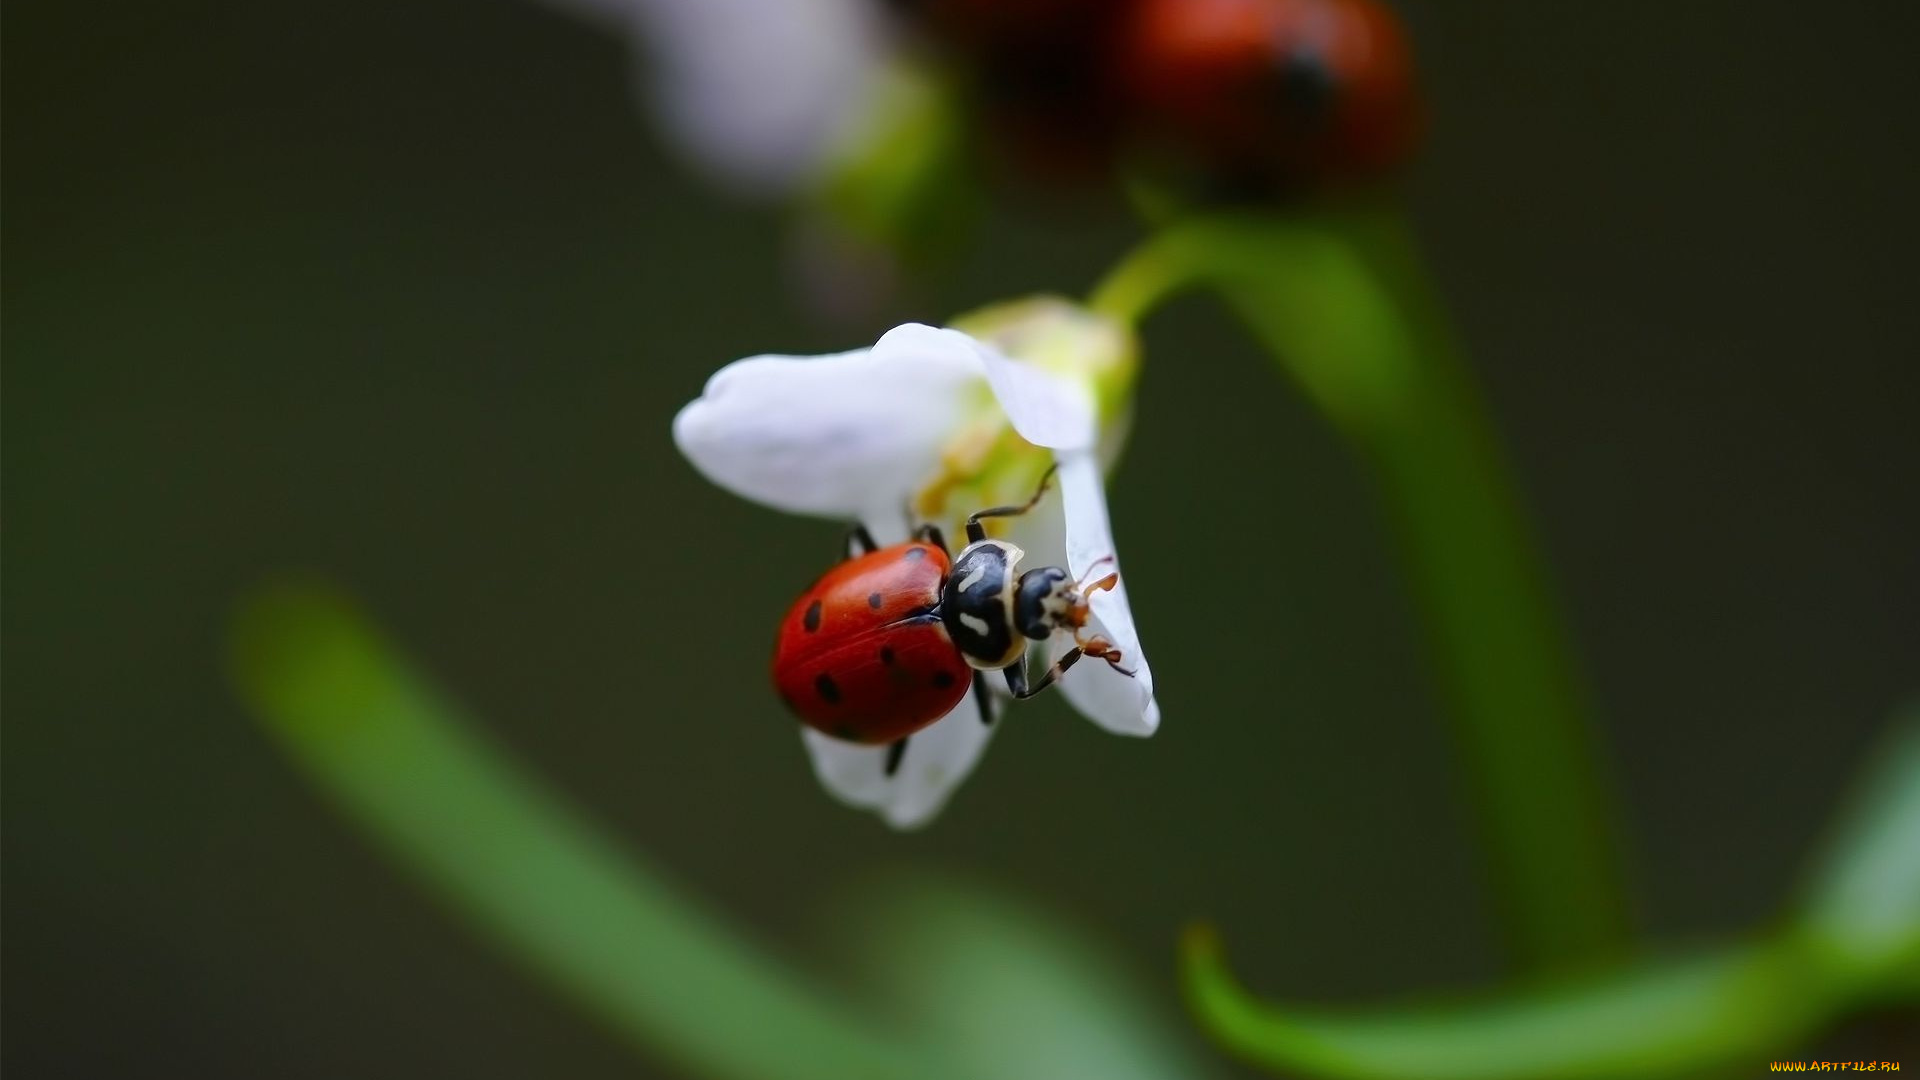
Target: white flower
{"points": [[928, 426], [763, 93]]}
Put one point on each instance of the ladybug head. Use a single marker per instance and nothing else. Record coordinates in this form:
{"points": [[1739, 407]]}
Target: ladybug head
{"points": [[1047, 600]]}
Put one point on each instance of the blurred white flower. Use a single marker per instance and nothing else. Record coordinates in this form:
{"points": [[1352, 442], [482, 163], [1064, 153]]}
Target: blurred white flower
{"points": [[762, 93], [930, 425]]}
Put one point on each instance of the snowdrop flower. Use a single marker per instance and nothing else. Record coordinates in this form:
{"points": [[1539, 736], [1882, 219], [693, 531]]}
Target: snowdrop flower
{"points": [[930, 425], [762, 93]]}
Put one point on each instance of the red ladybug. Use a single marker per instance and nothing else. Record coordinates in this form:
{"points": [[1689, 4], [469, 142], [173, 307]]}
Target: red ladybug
{"points": [[888, 641], [1295, 90], [1037, 75]]}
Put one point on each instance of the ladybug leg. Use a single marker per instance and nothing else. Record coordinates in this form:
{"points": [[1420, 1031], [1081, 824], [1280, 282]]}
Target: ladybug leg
{"points": [[930, 533], [1101, 649], [895, 751], [1098, 647], [1017, 675], [860, 542], [977, 532], [981, 698]]}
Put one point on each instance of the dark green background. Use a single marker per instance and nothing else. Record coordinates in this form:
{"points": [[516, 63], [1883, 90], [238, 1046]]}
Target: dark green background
{"points": [[406, 293]]}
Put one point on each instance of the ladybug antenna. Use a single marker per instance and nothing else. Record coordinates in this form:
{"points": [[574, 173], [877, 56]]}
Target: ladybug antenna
{"points": [[1087, 585]]}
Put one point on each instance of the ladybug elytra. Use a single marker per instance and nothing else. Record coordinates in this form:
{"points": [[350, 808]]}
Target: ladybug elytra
{"points": [[1300, 90], [890, 640]]}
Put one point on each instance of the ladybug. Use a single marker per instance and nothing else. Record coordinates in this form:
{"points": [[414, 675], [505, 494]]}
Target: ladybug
{"points": [[888, 641], [1296, 90], [1036, 73]]}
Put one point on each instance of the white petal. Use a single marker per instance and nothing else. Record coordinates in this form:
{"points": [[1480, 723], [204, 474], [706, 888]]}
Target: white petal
{"points": [[840, 436], [937, 758], [1045, 409], [1112, 700], [1116, 702], [761, 91]]}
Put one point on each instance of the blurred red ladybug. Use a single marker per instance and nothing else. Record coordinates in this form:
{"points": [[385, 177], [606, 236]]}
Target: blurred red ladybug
{"points": [[1038, 76], [888, 641], [1295, 91]]}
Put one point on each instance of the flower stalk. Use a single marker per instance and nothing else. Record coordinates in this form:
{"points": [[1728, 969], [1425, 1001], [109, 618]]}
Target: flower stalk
{"points": [[1341, 302]]}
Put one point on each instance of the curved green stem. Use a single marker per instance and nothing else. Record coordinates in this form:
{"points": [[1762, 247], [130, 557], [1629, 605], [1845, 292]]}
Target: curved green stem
{"points": [[1852, 942], [1340, 301], [524, 868], [1733, 1006], [1143, 281]]}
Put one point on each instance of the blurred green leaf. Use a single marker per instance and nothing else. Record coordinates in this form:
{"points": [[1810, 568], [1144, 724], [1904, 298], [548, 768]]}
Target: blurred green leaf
{"points": [[1001, 992], [905, 183], [1740, 1006], [1864, 903], [1855, 941], [522, 866]]}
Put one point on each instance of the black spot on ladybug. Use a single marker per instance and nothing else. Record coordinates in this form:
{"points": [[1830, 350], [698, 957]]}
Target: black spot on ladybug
{"points": [[829, 690], [1306, 84], [915, 554], [886, 656], [873, 601], [812, 619], [941, 679]]}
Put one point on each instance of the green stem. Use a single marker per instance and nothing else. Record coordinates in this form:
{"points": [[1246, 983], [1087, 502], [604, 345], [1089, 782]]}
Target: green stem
{"points": [[1342, 303], [1732, 1007], [523, 867], [1852, 943]]}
